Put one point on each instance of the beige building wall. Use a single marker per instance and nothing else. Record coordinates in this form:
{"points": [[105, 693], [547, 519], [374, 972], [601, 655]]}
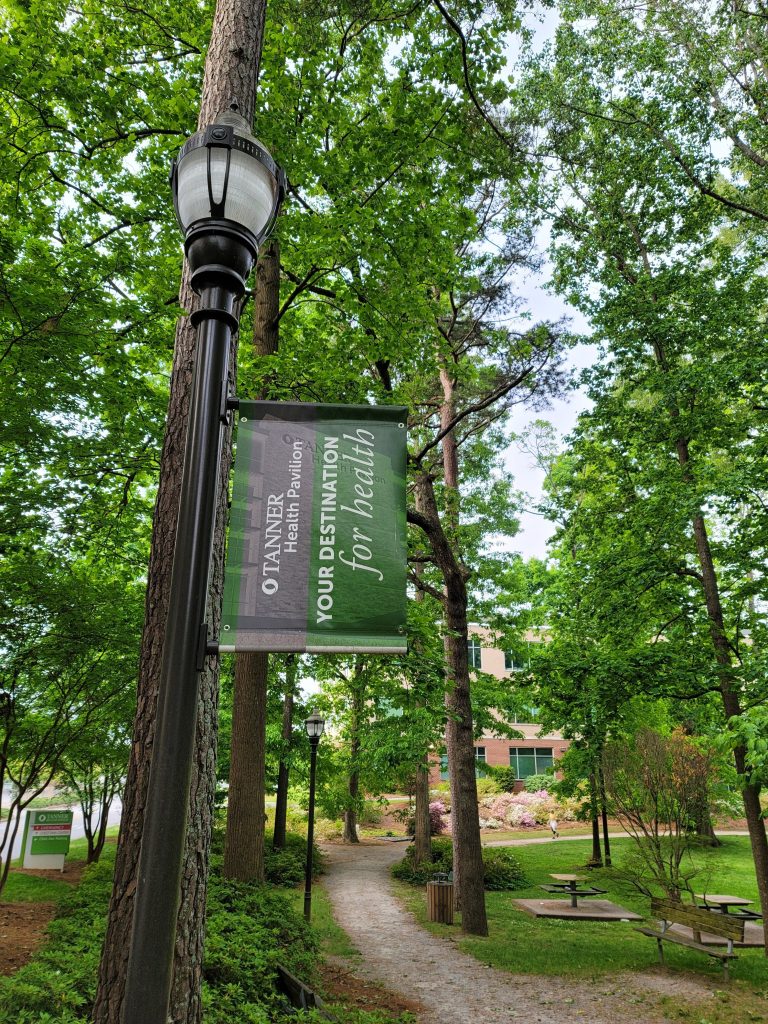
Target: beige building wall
{"points": [[497, 749]]}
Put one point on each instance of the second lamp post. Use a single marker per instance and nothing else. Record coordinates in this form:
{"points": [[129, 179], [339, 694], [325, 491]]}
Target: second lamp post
{"points": [[315, 726]]}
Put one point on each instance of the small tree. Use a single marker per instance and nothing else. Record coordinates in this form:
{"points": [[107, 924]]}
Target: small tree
{"points": [[93, 770], [656, 785]]}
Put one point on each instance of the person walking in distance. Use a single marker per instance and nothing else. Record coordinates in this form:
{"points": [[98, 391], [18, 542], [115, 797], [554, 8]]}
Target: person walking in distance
{"points": [[553, 826]]}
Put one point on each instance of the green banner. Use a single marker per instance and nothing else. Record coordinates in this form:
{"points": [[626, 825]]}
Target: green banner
{"points": [[316, 557]]}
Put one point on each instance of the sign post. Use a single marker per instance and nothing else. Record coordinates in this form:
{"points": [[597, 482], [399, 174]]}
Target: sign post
{"points": [[45, 842], [316, 559]]}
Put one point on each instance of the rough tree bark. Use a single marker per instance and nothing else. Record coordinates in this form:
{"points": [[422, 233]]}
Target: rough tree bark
{"points": [[422, 836], [281, 800], [422, 826], [596, 860], [604, 815], [244, 843], [468, 854], [231, 71], [357, 689]]}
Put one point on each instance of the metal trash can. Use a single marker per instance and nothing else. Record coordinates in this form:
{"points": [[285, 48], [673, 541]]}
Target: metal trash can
{"points": [[440, 898]]}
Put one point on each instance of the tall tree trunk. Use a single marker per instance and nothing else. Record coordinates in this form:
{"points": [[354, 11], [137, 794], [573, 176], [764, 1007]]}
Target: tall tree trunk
{"points": [[422, 825], [244, 841], [244, 844], [596, 860], [231, 70], [353, 791], [422, 836], [353, 783], [459, 735], [281, 801], [604, 815]]}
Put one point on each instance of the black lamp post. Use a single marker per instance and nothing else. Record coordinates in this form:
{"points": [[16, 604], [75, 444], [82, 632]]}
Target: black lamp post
{"points": [[227, 190], [315, 726]]}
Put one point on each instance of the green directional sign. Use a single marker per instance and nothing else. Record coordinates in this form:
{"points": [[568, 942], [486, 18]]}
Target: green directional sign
{"points": [[46, 838], [316, 558]]}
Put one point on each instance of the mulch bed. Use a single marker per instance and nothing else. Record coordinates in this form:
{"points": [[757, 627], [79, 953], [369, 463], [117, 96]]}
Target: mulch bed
{"points": [[23, 924], [341, 986], [73, 870], [22, 930]]}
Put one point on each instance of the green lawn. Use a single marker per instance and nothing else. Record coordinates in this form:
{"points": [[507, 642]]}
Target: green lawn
{"points": [[528, 945], [334, 941], [46, 888]]}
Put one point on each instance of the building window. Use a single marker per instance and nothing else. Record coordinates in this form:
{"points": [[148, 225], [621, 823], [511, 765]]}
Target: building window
{"points": [[530, 760], [443, 767], [509, 662], [473, 652], [480, 761]]}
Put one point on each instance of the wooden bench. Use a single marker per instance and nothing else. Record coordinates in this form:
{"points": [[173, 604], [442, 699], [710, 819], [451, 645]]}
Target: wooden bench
{"points": [[699, 920], [300, 995]]}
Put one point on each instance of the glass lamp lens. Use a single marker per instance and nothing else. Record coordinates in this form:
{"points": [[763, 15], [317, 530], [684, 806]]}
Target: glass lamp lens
{"points": [[250, 195], [314, 726]]}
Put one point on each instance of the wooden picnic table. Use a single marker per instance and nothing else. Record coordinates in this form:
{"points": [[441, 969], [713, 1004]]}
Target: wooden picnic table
{"points": [[719, 903], [568, 884]]}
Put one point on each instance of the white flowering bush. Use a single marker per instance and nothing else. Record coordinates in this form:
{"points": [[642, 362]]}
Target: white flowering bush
{"points": [[527, 810]]}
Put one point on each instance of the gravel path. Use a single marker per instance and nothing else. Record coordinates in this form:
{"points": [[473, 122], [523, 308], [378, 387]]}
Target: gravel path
{"points": [[453, 987]]}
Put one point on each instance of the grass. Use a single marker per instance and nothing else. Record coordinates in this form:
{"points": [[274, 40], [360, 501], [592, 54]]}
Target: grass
{"points": [[502, 835], [49, 888], [43, 801], [591, 949], [334, 941]]}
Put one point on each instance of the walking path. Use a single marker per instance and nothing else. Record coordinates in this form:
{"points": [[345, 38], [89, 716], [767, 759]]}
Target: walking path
{"points": [[453, 987]]}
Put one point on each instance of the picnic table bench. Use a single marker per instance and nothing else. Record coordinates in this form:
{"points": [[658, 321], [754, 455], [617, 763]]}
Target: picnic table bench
{"points": [[698, 919]]}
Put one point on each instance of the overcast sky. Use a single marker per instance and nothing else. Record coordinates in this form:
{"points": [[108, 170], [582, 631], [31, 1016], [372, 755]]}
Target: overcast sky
{"points": [[534, 529]]}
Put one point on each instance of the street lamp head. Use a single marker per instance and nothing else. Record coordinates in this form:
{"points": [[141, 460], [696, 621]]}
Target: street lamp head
{"points": [[315, 726], [227, 191]]}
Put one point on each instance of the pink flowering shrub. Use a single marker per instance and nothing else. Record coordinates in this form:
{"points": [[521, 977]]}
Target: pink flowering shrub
{"points": [[437, 822], [527, 810]]}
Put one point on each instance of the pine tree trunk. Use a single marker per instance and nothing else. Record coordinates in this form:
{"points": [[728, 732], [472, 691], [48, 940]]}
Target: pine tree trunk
{"points": [[244, 841], [422, 825], [244, 844], [281, 801], [459, 734], [353, 783], [231, 71]]}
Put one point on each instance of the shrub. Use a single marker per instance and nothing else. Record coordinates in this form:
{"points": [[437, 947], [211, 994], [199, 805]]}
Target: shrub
{"points": [[486, 786], [502, 869], [286, 866], [370, 814], [250, 929], [505, 778], [436, 820], [58, 984], [535, 783]]}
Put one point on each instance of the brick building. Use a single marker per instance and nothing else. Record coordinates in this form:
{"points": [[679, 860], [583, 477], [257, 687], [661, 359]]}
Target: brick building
{"points": [[532, 754]]}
